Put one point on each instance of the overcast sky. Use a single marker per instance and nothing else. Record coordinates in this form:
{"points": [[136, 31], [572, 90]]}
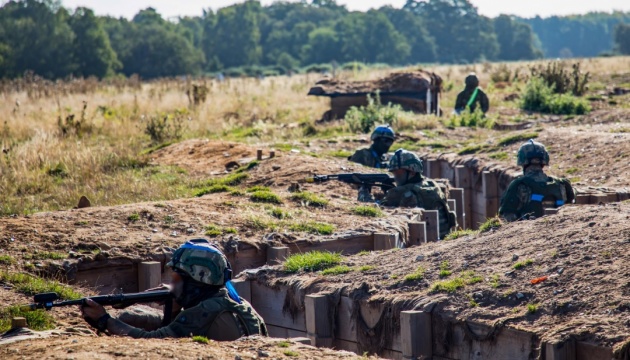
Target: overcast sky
{"points": [[525, 8]]}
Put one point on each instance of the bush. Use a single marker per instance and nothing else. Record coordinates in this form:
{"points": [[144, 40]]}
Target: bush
{"points": [[367, 211], [363, 119], [539, 97], [560, 80], [310, 199], [165, 127], [265, 197]]}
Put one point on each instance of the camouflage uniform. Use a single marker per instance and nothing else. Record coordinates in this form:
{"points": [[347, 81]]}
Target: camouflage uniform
{"points": [[218, 318], [533, 192], [464, 97], [368, 157], [418, 192], [383, 137], [215, 311]]}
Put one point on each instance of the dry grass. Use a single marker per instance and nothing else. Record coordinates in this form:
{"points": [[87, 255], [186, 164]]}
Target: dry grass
{"points": [[41, 170]]}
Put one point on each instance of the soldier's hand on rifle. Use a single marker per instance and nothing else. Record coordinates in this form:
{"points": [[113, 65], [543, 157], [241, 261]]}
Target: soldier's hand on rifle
{"points": [[92, 310]]}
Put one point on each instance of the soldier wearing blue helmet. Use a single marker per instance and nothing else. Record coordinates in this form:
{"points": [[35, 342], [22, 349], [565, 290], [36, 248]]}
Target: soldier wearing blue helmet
{"points": [[382, 139]]}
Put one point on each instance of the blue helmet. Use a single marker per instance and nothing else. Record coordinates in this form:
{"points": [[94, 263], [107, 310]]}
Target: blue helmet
{"points": [[385, 131]]}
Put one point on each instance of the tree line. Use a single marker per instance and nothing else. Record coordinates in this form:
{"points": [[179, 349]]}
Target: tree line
{"points": [[43, 37]]}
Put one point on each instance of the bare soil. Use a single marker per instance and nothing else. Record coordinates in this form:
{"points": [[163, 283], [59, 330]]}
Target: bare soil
{"points": [[110, 347], [582, 252]]}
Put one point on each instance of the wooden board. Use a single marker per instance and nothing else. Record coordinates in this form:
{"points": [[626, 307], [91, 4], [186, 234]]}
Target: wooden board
{"points": [[347, 246], [284, 333]]}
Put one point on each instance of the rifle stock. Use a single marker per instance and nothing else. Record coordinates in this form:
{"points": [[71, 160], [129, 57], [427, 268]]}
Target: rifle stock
{"points": [[384, 181]]}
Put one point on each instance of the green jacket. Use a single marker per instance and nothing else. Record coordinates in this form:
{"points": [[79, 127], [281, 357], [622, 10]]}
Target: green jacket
{"points": [[368, 157], [532, 193], [426, 195], [217, 318]]}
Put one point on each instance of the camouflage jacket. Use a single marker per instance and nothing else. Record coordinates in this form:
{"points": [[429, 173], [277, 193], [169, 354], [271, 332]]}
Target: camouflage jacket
{"points": [[208, 319], [368, 157], [532, 193], [426, 195], [481, 100]]}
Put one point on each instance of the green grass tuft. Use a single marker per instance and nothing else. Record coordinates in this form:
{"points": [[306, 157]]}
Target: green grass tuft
{"points": [[499, 156], [416, 275], [460, 233], [258, 188], [291, 353], [452, 285], [343, 154], [445, 269], [309, 199], [30, 285], [200, 339], [279, 213], [517, 138], [265, 197], [490, 224], [495, 281], [312, 261], [283, 344], [365, 268], [337, 270], [367, 211], [133, 217], [315, 228], [521, 264], [472, 149], [532, 308], [6, 260], [38, 320], [214, 189]]}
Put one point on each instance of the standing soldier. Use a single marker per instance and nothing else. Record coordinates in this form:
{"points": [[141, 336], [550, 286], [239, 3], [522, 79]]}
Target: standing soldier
{"points": [[382, 139], [414, 191], [472, 96], [530, 194]]}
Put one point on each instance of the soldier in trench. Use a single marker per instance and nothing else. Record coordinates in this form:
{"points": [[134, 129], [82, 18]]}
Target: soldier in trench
{"points": [[413, 190], [382, 139], [531, 193], [205, 302]]}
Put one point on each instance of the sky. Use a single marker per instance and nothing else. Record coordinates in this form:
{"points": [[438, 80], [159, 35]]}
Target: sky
{"points": [[492, 8]]}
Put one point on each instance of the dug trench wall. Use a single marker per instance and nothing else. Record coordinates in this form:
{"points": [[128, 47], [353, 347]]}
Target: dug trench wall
{"points": [[418, 329]]}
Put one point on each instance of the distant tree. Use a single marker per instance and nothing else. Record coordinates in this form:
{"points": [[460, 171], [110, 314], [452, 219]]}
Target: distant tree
{"points": [[516, 40], [382, 42], [460, 33], [411, 26], [91, 50], [237, 36], [36, 37], [622, 38], [322, 46]]}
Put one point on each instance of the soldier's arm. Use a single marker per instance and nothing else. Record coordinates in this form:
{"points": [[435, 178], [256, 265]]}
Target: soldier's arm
{"points": [[460, 103], [186, 323], [510, 203], [570, 191], [392, 198]]}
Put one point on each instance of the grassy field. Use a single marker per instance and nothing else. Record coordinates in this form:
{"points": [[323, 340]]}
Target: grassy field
{"points": [[82, 138]]}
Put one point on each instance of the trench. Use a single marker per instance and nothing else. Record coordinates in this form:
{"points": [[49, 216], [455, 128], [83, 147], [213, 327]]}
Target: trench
{"points": [[397, 331]]}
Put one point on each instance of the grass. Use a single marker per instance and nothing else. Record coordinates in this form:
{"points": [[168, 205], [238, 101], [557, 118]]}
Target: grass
{"points": [[38, 320], [363, 253], [7, 260], [367, 211], [213, 230], [491, 224], [365, 268], [532, 308], [312, 261], [337, 270], [416, 275], [473, 149], [453, 235], [291, 353], [279, 213], [266, 197], [518, 138], [133, 217], [316, 228], [309, 199], [521, 264], [283, 344], [200, 339], [572, 170], [494, 281], [452, 285], [445, 269], [501, 156], [343, 154], [258, 188], [214, 189], [45, 255], [30, 285]]}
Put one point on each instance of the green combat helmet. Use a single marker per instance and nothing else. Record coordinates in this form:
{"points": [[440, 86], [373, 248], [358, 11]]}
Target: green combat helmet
{"points": [[406, 160], [532, 153], [472, 81], [383, 131], [204, 263]]}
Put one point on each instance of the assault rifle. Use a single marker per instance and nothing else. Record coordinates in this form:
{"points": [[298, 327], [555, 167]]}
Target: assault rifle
{"points": [[384, 181], [48, 301]]}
